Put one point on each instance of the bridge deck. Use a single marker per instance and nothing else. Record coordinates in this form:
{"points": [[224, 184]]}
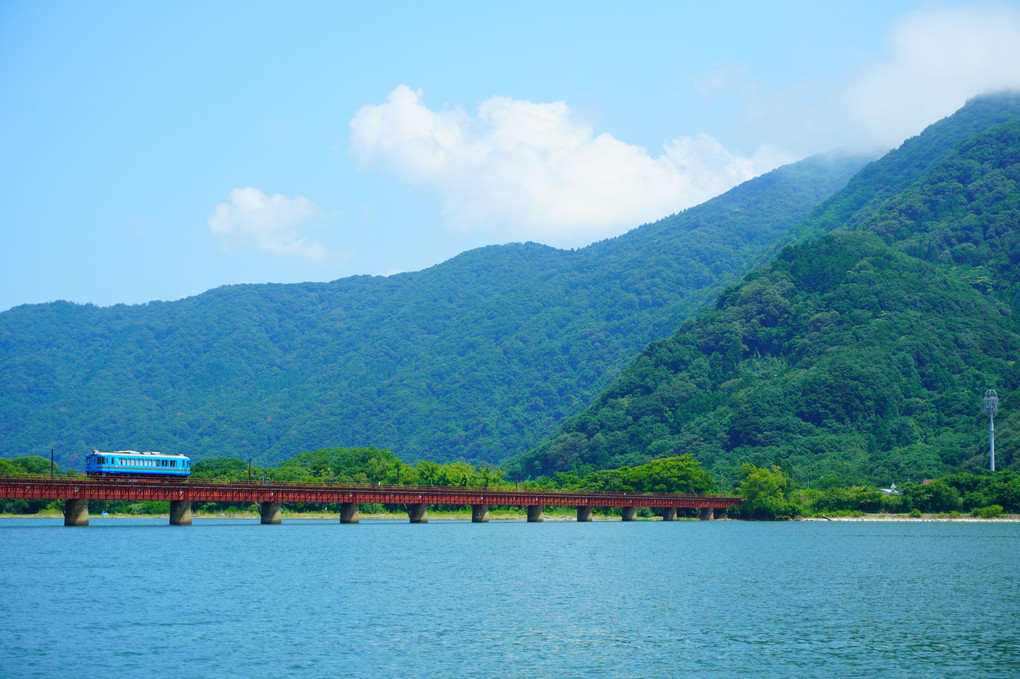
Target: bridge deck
{"points": [[85, 488]]}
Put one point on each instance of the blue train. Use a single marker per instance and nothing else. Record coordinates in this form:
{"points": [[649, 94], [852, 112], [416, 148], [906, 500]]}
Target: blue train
{"points": [[134, 464]]}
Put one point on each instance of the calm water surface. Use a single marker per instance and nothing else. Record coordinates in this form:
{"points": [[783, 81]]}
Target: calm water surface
{"points": [[139, 598]]}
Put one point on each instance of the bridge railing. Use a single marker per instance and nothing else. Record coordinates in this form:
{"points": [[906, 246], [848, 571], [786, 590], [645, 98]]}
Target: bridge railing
{"points": [[79, 479]]}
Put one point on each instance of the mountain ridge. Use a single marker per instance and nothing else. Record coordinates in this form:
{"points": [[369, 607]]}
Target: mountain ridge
{"points": [[475, 358]]}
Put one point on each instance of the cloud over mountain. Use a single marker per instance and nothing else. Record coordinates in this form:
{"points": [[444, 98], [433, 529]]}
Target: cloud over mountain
{"points": [[522, 169], [936, 60], [932, 62]]}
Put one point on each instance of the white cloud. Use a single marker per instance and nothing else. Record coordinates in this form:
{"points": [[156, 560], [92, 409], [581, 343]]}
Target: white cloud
{"points": [[934, 60], [271, 224], [937, 59], [533, 170]]}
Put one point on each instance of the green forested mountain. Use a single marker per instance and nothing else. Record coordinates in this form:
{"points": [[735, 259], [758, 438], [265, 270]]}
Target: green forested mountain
{"points": [[859, 357], [477, 358]]}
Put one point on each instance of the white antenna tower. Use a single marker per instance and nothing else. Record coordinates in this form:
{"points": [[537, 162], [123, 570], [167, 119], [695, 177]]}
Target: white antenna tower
{"points": [[991, 407]]}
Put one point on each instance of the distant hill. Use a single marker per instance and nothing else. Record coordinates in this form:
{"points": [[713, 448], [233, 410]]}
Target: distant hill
{"points": [[861, 356], [477, 358]]}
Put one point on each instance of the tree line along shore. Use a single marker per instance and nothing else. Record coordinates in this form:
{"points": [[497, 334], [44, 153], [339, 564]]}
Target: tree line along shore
{"points": [[768, 492]]}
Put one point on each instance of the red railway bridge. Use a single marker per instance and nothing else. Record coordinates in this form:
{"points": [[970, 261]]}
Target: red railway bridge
{"points": [[78, 490]]}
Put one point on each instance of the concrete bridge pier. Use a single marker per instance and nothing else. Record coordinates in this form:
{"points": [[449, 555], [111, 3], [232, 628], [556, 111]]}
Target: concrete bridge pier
{"points": [[669, 513], [628, 513], [535, 513], [180, 512], [76, 513], [584, 514], [350, 512], [479, 513], [271, 513], [707, 514], [418, 513]]}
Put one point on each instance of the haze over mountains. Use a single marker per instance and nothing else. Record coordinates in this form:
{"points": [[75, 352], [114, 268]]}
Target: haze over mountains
{"points": [[482, 357]]}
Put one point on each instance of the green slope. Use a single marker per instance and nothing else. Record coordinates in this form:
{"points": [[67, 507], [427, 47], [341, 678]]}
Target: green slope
{"points": [[861, 356], [477, 358]]}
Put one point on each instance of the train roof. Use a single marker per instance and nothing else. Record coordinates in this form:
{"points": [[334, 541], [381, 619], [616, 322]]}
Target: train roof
{"points": [[137, 452]]}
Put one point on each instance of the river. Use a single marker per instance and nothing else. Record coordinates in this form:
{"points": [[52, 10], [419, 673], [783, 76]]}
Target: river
{"points": [[233, 598]]}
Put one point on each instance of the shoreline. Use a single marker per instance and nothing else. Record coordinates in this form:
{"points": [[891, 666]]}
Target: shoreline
{"points": [[879, 518]]}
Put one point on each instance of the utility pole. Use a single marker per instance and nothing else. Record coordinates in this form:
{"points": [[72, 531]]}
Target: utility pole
{"points": [[991, 407]]}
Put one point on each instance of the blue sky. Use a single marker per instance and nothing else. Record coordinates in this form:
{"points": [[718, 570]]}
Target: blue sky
{"points": [[156, 150]]}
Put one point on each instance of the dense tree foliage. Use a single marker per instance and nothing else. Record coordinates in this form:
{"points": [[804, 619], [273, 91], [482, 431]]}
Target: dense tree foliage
{"points": [[682, 474], [765, 493], [30, 464], [859, 357], [974, 493], [477, 358]]}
